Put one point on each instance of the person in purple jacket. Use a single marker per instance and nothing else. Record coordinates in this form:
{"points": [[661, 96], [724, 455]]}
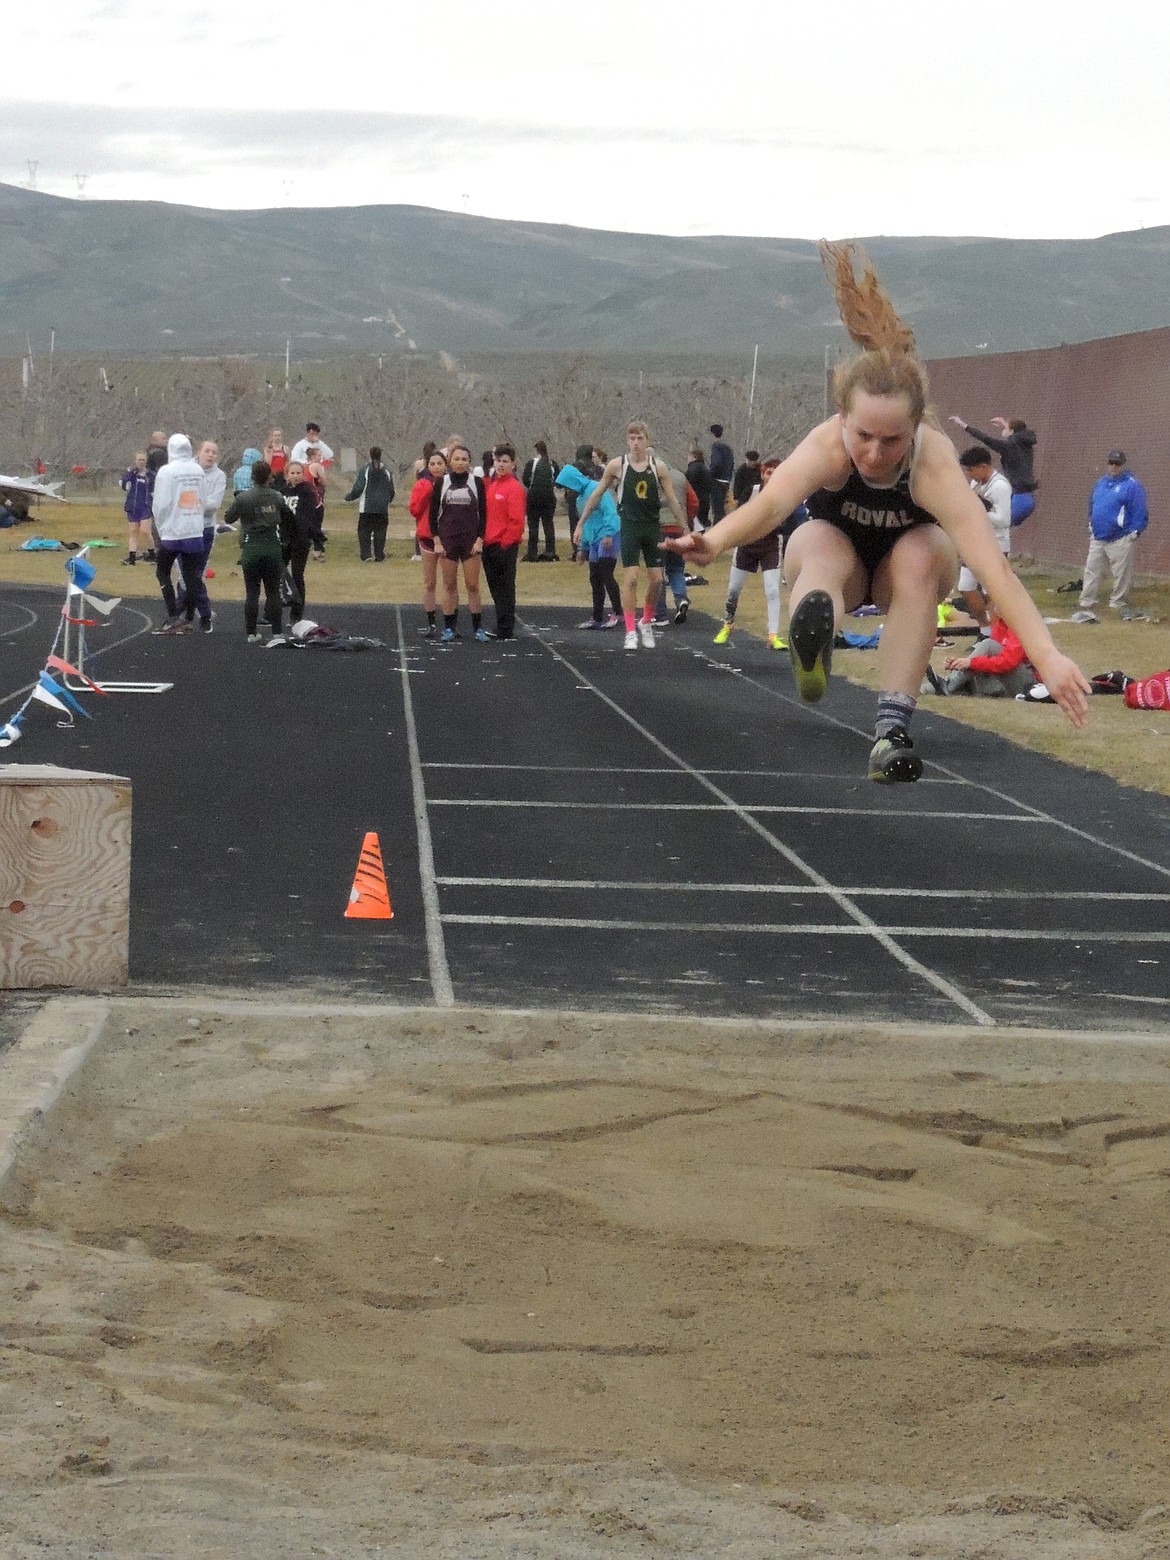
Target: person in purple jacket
{"points": [[138, 488]]}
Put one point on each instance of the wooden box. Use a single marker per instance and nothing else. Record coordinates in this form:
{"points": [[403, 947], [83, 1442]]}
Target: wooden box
{"points": [[64, 877]]}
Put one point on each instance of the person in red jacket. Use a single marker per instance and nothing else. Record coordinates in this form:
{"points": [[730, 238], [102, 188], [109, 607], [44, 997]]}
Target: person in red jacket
{"points": [[997, 668], [419, 505], [506, 518]]}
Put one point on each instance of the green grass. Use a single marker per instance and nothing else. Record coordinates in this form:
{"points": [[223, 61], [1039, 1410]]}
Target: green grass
{"points": [[1133, 746]]}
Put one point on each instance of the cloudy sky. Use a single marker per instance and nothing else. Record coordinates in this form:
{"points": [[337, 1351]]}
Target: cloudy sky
{"points": [[1037, 119]]}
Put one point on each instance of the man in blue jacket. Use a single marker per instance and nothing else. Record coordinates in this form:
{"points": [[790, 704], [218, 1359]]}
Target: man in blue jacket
{"points": [[1118, 514]]}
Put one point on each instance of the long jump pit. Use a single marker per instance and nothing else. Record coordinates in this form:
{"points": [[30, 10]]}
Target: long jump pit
{"points": [[288, 1281]]}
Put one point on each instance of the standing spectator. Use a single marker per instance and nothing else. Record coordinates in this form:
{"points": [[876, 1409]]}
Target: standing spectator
{"points": [[674, 570], [374, 489], [300, 493], [419, 470], [722, 468], [762, 555], [300, 450], [1016, 448], [506, 513], [215, 483], [698, 474], [586, 463], [995, 494], [266, 525], [597, 538], [156, 452], [276, 452], [458, 517], [1118, 514], [419, 505], [540, 475], [242, 476], [179, 501], [136, 484], [747, 481]]}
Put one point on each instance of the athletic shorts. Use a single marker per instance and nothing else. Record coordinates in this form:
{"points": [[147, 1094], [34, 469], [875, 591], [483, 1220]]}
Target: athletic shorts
{"points": [[763, 554], [871, 543], [425, 543], [640, 545], [459, 537], [603, 548]]}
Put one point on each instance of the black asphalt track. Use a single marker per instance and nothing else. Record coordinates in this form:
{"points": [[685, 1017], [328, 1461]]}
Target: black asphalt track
{"points": [[567, 824]]}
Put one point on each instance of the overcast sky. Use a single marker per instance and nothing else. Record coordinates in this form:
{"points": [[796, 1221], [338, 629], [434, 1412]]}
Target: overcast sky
{"points": [[1035, 120]]}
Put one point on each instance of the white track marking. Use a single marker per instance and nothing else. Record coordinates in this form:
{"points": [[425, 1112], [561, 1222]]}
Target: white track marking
{"points": [[747, 807], [809, 929], [436, 947], [624, 885], [843, 902], [663, 769], [9, 633]]}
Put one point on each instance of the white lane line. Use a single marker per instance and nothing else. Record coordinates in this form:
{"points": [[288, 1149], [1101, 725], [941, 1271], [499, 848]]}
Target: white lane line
{"points": [[663, 769], [809, 929], [10, 633], [844, 903], [624, 885], [436, 947], [147, 626], [747, 807], [977, 785]]}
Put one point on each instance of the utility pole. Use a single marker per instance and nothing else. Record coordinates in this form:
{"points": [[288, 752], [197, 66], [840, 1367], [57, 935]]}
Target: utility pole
{"points": [[32, 173], [80, 179], [752, 391], [287, 347]]}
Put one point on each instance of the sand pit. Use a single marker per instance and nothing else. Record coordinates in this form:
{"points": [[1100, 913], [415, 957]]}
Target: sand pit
{"points": [[401, 1282]]}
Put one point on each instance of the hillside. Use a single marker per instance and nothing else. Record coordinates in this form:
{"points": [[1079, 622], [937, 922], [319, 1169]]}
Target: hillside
{"points": [[148, 278]]}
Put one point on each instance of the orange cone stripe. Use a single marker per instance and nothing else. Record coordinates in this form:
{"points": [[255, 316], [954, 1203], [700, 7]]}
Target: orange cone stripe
{"points": [[369, 898]]}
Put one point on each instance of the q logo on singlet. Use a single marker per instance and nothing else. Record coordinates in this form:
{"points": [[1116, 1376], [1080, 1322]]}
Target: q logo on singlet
{"points": [[641, 488]]}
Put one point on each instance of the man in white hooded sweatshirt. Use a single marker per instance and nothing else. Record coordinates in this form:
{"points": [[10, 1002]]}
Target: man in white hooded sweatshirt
{"points": [[180, 497]]}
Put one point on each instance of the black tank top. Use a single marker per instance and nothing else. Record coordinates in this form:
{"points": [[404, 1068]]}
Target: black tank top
{"points": [[860, 506]]}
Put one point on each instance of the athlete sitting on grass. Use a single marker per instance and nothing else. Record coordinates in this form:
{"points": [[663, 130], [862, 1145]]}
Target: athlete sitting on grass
{"points": [[892, 513]]}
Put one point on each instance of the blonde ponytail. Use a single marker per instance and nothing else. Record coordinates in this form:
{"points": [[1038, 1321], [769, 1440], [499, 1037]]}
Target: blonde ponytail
{"points": [[888, 363]]}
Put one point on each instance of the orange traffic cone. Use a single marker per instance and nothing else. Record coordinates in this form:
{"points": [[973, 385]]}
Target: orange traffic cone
{"points": [[369, 898]]}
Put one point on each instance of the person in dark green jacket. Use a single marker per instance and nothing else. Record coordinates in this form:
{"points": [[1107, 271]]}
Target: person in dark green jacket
{"points": [[265, 523], [374, 488]]}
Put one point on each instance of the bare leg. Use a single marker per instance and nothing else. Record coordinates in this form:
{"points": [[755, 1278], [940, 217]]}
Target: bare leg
{"points": [[918, 573], [630, 591], [430, 575], [819, 557], [471, 573], [449, 586], [653, 586]]}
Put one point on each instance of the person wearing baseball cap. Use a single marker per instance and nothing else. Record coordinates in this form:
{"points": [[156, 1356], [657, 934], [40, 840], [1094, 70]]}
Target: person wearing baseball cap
{"points": [[1118, 514]]}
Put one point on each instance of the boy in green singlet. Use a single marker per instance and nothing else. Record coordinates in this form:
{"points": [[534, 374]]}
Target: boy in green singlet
{"points": [[640, 480]]}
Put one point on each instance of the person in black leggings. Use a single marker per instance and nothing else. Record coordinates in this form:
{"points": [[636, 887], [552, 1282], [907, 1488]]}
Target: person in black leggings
{"points": [[300, 494]]}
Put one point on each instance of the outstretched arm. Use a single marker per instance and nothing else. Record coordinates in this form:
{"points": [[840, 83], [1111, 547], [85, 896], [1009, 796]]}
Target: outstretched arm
{"points": [[818, 461]]}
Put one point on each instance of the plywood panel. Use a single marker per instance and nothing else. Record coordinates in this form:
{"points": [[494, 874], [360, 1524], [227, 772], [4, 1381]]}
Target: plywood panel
{"points": [[64, 877]]}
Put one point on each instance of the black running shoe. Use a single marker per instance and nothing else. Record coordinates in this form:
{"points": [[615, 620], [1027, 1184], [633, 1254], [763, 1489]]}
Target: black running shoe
{"points": [[810, 644], [893, 758]]}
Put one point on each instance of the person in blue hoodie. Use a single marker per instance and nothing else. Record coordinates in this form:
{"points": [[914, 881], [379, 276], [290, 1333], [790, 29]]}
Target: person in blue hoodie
{"points": [[138, 485], [598, 540], [242, 475], [1118, 514]]}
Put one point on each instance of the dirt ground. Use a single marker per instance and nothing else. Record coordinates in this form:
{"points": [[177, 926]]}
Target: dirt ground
{"points": [[286, 1282]]}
